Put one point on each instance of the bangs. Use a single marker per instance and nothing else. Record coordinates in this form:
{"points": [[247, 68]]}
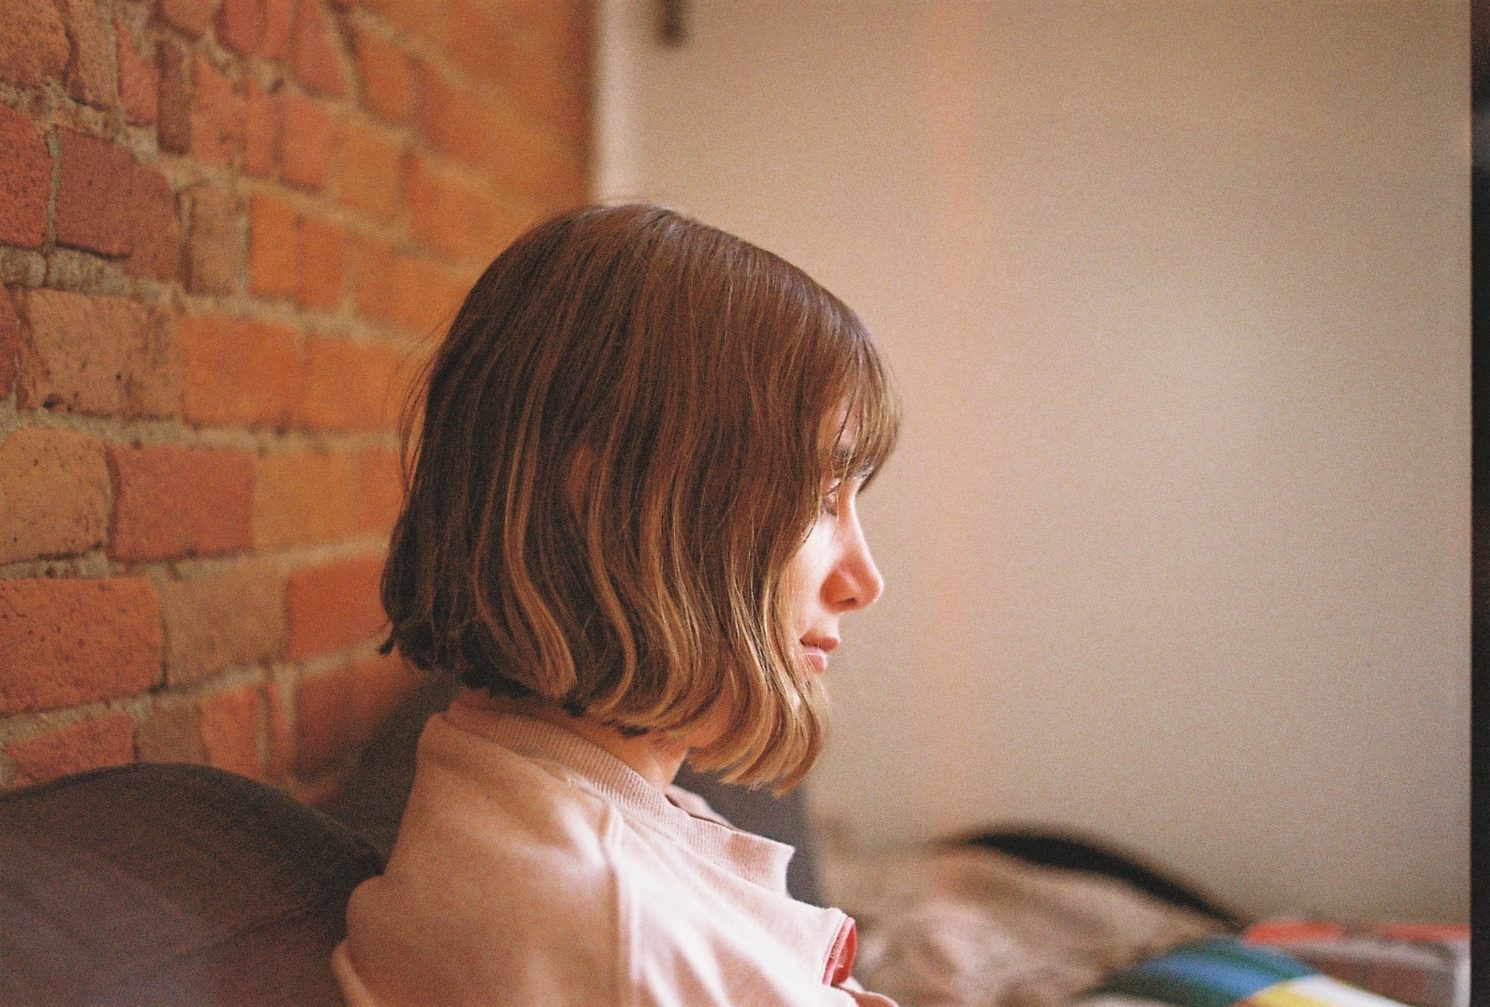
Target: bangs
{"points": [[871, 414]]}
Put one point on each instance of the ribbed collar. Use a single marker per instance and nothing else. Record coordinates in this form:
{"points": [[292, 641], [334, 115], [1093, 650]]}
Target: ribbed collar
{"points": [[754, 858]]}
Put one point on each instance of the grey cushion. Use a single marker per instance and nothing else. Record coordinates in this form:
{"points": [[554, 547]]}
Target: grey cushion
{"points": [[171, 884]]}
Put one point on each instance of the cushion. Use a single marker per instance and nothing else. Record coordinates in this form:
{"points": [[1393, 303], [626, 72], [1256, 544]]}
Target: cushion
{"points": [[152, 884], [964, 925], [1072, 851]]}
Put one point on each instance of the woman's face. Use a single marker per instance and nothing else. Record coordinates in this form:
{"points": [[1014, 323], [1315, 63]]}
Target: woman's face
{"points": [[831, 574]]}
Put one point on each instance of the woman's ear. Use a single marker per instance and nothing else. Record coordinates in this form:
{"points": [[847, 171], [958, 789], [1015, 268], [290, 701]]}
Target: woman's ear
{"points": [[577, 482]]}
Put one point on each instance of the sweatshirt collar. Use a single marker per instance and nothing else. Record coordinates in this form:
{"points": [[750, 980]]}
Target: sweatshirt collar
{"points": [[753, 858]]}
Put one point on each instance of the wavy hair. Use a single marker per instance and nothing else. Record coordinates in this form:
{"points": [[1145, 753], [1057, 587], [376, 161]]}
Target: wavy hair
{"points": [[622, 441]]}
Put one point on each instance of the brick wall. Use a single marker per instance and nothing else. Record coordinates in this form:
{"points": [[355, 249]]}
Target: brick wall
{"points": [[228, 229]]}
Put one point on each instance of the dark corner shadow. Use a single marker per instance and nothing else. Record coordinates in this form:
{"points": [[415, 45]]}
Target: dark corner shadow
{"points": [[1480, 698]]}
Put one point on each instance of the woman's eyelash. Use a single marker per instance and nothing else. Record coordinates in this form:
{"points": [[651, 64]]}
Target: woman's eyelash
{"points": [[829, 499]]}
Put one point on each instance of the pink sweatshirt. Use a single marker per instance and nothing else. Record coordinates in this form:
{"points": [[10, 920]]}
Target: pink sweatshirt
{"points": [[534, 868]]}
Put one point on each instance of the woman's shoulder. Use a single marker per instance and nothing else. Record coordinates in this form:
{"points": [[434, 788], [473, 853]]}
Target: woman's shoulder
{"points": [[502, 865], [475, 799]]}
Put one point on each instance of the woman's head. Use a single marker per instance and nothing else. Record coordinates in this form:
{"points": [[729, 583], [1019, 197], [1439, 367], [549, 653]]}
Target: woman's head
{"points": [[627, 436]]}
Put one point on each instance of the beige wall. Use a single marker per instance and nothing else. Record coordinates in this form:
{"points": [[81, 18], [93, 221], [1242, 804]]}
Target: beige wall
{"points": [[1177, 538]]}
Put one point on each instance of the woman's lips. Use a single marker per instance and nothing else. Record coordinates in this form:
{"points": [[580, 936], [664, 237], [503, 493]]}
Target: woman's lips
{"points": [[816, 652]]}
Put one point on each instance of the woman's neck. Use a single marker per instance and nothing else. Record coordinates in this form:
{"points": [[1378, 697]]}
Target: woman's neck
{"points": [[654, 758]]}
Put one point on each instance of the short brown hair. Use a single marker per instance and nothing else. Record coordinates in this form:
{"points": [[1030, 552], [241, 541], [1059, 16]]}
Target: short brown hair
{"points": [[697, 375]]}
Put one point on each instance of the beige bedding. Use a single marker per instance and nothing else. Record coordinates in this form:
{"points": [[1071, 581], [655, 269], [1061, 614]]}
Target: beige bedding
{"points": [[970, 927]]}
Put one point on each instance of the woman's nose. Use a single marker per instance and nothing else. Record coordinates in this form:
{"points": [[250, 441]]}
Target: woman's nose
{"points": [[857, 582]]}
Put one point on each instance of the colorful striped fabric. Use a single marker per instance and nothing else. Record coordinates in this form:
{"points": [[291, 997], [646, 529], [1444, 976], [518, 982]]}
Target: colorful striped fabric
{"points": [[1224, 972]]}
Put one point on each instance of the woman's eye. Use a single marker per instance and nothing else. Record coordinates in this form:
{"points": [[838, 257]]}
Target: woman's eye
{"points": [[829, 500]]}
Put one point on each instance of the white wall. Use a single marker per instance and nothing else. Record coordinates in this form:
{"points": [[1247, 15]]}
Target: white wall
{"points": [[1177, 537]]}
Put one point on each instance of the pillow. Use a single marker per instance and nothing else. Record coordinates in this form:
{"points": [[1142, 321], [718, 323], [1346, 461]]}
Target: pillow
{"points": [[171, 884], [967, 926]]}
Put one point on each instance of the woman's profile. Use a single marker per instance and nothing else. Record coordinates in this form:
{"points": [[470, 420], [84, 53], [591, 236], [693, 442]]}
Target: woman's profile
{"points": [[632, 532]]}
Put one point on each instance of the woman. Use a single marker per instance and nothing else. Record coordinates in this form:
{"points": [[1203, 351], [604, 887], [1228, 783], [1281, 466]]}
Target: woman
{"points": [[632, 531]]}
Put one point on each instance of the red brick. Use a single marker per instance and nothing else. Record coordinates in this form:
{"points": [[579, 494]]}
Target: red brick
{"points": [[223, 620], [230, 731], [25, 178], [537, 166], [280, 738], [499, 140], [339, 711], [415, 292], [279, 16], [348, 386], [172, 501], [139, 80], [237, 372], [90, 69], [456, 215], [550, 20], [10, 338], [68, 642], [191, 16], [309, 141], [88, 744], [203, 116], [369, 178], [304, 497], [107, 203], [173, 98], [570, 38], [273, 247], [334, 605], [531, 73], [93, 193], [441, 291], [238, 26], [54, 494], [101, 355], [171, 734], [155, 228], [213, 248], [457, 124], [318, 59], [561, 100], [421, 18], [261, 131], [152, 224], [322, 263], [380, 684], [387, 76], [475, 41], [372, 271], [382, 495], [217, 114], [325, 720], [33, 45]]}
